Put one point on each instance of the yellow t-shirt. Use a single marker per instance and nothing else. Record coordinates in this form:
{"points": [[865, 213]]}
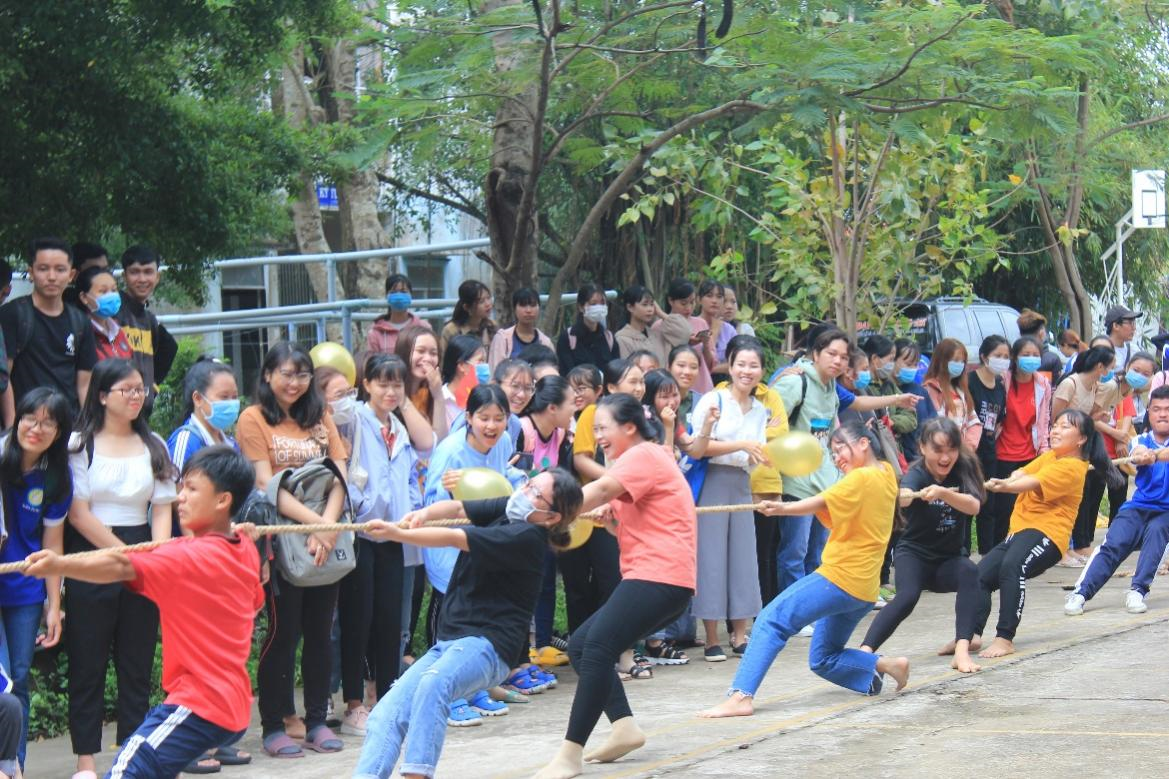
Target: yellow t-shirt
{"points": [[1052, 508], [860, 517], [584, 440]]}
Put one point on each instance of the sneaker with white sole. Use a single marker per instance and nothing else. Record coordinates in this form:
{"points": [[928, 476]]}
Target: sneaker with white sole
{"points": [[353, 721], [806, 631], [880, 603], [1134, 603], [1074, 605], [714, 654]]}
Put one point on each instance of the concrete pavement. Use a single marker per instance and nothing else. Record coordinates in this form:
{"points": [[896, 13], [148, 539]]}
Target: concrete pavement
{"points": [[1084, 695]]}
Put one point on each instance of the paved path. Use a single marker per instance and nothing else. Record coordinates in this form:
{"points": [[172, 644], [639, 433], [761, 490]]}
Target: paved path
{"points": [[1084, 696]]}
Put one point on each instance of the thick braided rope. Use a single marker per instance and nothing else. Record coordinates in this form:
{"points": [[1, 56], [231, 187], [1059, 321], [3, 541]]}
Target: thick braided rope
{"points": [[340, 527]]}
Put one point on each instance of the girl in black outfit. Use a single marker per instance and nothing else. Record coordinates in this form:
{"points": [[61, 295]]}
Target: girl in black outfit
{"points": [[930, 555], [587, 340]]}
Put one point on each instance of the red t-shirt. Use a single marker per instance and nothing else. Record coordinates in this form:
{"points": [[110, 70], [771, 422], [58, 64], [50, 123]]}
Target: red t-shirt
{"points": [[1015, 443], [1126, 409], [657, 526], [208, 591]]}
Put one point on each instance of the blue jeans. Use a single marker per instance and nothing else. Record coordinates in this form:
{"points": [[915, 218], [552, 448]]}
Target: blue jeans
{"points": [[167, 740], [791, 559], [18, 636], [1131, 528], [817, 538], [407, 609], [420, 701], [836, 614]]}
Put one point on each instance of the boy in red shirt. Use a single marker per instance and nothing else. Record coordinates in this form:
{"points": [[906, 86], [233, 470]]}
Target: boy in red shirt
{"points": [[207, 587]]}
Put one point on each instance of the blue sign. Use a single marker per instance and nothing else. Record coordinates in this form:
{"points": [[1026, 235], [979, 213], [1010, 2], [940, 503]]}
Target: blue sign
{"points": [[327, 196]]}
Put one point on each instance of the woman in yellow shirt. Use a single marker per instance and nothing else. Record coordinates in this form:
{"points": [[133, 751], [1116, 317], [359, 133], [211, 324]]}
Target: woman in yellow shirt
{"points": [[859, 511], [1049, 490]]}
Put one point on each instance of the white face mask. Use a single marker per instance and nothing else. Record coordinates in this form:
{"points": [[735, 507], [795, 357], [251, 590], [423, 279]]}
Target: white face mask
{"points": [[344, 410], [999, 364], [596, 314]]}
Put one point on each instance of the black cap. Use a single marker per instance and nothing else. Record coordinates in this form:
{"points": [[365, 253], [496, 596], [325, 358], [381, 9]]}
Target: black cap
{"points": [[1117, 313]]}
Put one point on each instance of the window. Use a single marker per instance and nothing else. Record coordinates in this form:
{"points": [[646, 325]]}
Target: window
{"points": [[989, 322], [426, 273], [956, 325]]}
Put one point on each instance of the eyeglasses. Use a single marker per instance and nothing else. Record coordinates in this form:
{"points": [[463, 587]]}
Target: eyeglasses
{"points": [[32, 422], [522, 389], [535, 493], [350, 393], [303, 377], [130, 392]]}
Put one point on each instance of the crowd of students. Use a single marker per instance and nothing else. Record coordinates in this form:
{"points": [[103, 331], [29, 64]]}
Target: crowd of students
{"points": [[921, 466]]}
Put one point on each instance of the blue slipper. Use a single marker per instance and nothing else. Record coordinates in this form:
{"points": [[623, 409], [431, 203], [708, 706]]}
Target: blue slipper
{"points": [[482, 703], [462, 715]]}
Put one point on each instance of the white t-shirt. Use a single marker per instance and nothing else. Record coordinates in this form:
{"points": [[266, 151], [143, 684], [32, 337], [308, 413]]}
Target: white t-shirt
{"points": [[732, 424], [120, 490]]}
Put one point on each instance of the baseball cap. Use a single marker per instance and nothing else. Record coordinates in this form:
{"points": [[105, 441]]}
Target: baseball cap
{"points": [[1117, 313]]}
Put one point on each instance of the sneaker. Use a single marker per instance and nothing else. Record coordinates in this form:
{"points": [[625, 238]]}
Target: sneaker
{"points": [[1071, 561], [666, 653], [462, 715], [1134, 603], [482, 703], [880, 603], [714, 654], [1074, 605], [353, 721], [888, 591], [806, 631]]}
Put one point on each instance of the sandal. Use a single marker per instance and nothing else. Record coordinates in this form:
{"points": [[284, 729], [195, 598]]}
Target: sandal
{"points": [[461, 715], [507, 696], [203, 765], [482, 703], [324, 740], [642, 660], [666, 653], [232, 756], [636, 672], [546, 678], [522, 682], [280, 745]]}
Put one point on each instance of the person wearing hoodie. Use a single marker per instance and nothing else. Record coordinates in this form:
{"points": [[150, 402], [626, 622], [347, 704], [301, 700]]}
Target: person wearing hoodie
{"points": [[383, 336], [511, 341]]}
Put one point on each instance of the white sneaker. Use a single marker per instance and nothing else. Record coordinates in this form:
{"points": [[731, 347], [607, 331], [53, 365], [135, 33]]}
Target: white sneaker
{"points": [[806, 631], [1074, 605], [880, 603], [353, 721], [1134, 603]]}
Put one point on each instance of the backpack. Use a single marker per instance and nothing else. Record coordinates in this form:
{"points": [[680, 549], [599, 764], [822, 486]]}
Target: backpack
{"points": [[25, 324], [311, 484], [794, 414]]}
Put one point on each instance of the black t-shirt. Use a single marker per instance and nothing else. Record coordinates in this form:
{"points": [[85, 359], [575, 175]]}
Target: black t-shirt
{"points": [[54, 353], [933, 531], [495, 586], [989, 403], [592, 347]]}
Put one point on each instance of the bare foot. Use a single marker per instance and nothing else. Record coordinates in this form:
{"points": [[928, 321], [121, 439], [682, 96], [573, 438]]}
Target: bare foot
{"points": [[625, 738], [897, 667], [738, 705], [868, 649], [948, 647], [1000, 647], [565, 765]]}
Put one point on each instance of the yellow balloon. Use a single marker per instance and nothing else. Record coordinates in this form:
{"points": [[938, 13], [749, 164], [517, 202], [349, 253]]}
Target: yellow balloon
{"points": [[579, 531], [481, 484], [795, 453], [335, 356]]}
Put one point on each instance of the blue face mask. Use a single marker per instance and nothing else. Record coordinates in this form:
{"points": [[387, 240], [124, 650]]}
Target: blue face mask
{"points": [[223, 414], [1029, 363], [1107, 377], [907, 375], [863, 379], [483, 373], [1138, 381], [519, 506], [109, 304], [955, 368], [399, 301]]}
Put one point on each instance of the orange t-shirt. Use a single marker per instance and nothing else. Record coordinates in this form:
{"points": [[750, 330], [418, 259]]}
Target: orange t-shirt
{"points": [[287, 444], [860, 517], [657, 526], [1052, 508]]}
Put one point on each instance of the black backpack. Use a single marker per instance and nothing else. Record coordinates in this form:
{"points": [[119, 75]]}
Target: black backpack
{"points": [[26, 321]]}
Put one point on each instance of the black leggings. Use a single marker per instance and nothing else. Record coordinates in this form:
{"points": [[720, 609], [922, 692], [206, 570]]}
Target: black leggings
{"points": [[591, 573], [636, 608], [1004, 506], [986, 523], [1085, 528], [1007, 568], [369, 609], [293, 611], [954, 574], [766, 548]]}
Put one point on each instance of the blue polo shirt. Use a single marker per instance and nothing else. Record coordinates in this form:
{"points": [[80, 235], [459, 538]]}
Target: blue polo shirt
{"points": [[25, 531], [1152, 481]]}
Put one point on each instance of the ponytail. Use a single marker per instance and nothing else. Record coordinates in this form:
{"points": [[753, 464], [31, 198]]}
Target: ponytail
{"points": [[1093, 450], [967, 468]]}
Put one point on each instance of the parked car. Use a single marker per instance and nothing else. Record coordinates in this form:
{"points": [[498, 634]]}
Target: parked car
{"points": [[949, 317]]}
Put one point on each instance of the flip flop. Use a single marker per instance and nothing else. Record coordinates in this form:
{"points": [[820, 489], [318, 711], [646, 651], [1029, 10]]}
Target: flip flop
{"points": [[198, 766], [232, 756], [280, 745]]}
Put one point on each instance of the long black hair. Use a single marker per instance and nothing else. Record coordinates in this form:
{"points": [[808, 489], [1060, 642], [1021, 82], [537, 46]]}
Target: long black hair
{"points": [[615, 371], [550, 391], [655, 382], [566, 499], [1017, 348], [1090, 358], [1093, 449], [199, 378], [966, 468], [469, 293], [486, 395], [679, 289], [583, 296], [853, 430], [626, 409], [55, 460], [309, 409], [459, 349], [92, 421]]}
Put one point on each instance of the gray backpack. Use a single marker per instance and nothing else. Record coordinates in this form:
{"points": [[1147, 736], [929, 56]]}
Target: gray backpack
{"points": [[311, 484]]}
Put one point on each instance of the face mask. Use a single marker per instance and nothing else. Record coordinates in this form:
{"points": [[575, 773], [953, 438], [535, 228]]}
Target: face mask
{"points": [[955, 368], [999, 364], [1029, 364], [907, 375], [399, 301], [1107, 377], [1138, 381], [863, 379], [344, 410], [596, 314], [519, 507], [109, 304], [885, 371], [483, 373], [223, 414]]}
